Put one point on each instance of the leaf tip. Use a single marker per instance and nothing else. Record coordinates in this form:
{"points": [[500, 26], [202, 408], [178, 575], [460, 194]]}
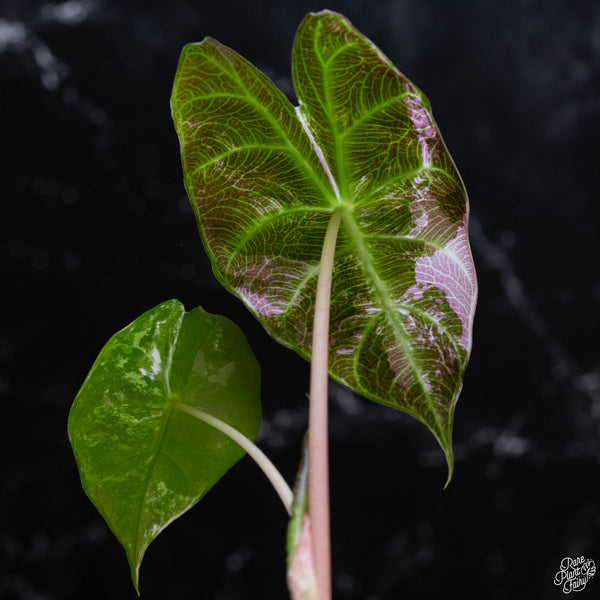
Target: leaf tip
{"points": [[450, 462], [135, 578], [325, 11]]}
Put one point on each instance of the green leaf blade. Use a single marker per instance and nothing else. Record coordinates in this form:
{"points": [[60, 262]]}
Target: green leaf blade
{"points": [[404, 285], [408, 343], [257, 186], [142, 462]]}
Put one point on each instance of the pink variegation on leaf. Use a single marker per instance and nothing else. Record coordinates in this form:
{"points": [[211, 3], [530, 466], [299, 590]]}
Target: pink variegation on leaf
{"points": [[265, 178]]}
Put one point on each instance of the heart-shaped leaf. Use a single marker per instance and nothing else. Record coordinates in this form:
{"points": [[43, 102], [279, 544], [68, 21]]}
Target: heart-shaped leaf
{"points": [[265, 177], [143, 462]]}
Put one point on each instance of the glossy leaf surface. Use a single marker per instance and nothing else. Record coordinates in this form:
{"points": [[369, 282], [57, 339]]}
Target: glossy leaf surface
{"points": [[143, 462], [264, 179]]}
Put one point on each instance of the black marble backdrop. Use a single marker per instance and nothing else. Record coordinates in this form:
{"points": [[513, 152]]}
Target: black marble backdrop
{"points": [[95, 229]]}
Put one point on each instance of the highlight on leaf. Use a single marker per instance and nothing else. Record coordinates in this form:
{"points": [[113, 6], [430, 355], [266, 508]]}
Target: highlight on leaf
{"points": [[264, 178]]}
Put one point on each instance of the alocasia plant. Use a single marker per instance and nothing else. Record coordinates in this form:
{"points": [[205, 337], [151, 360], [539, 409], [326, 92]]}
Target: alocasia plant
{"points": [[341, 223]]}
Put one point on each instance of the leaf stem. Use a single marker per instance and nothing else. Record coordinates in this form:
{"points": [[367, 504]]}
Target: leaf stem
{"points": [[318, 431], [259, 457]]}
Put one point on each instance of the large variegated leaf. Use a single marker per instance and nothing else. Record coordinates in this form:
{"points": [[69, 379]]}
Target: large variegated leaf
{"points": [[265, 177]]}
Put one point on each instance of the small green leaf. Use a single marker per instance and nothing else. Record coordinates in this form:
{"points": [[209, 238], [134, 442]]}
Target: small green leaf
{"points": [[142, 462], [265, 177]]}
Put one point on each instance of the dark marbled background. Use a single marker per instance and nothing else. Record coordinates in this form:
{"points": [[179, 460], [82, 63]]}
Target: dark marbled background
{"points": [[95, 229]]}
